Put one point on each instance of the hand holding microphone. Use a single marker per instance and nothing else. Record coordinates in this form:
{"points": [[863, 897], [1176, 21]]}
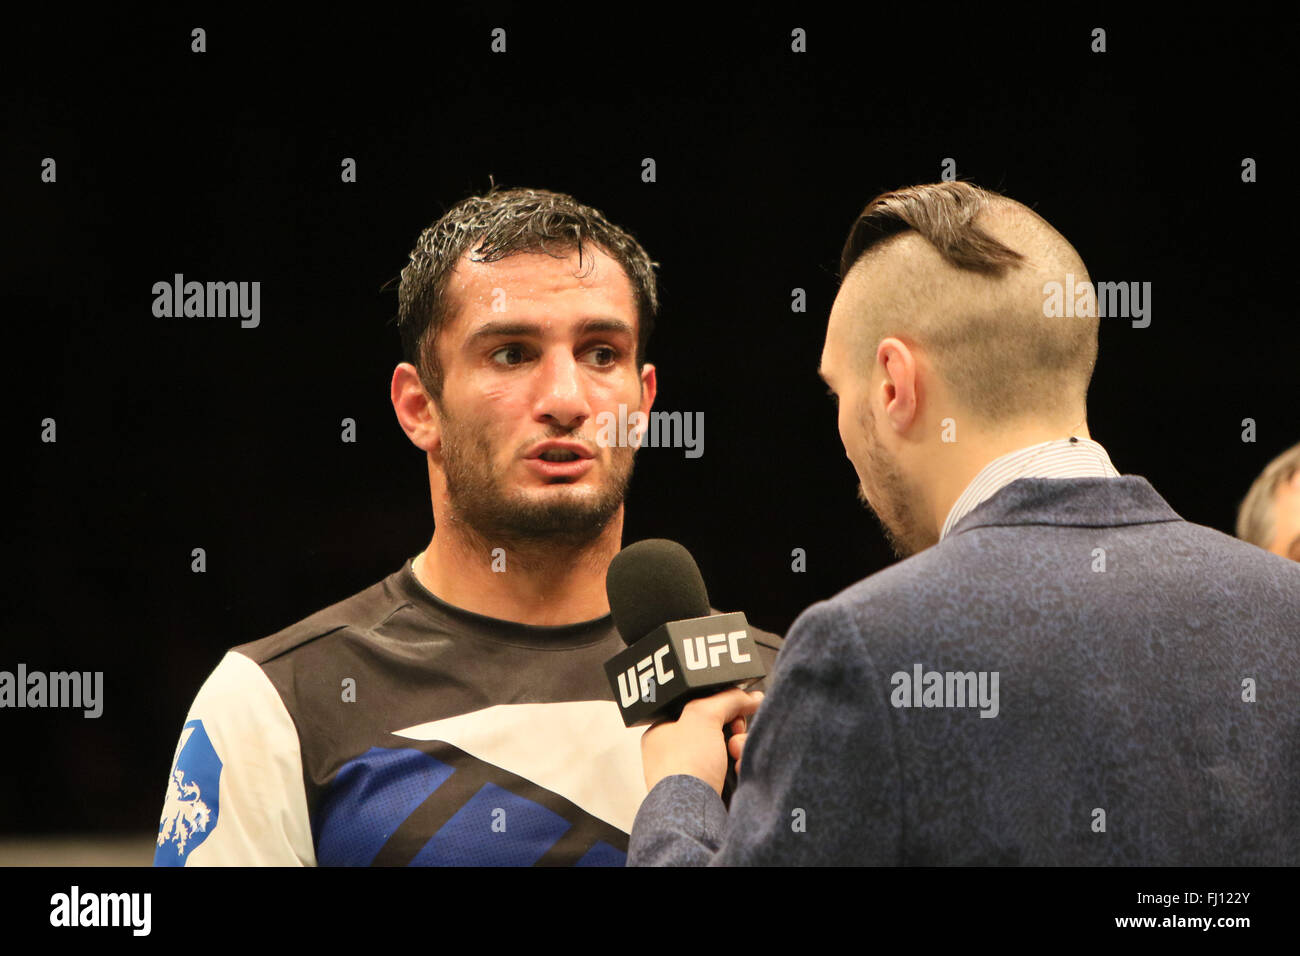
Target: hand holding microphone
{"points": [[691, 744], [739, 734], [679, 656]]}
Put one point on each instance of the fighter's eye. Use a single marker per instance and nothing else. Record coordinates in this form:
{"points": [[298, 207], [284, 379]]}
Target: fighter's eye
{"points": [[834, 398], [509, 355], [604, 355]]}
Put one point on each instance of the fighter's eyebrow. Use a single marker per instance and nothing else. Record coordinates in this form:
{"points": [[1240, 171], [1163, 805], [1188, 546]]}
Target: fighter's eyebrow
{"points": [[502, 329], [615, 326], [498, 329]]}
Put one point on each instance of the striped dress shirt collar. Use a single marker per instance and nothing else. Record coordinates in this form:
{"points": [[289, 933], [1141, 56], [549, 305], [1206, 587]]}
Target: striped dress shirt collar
{"points": [[1059, 458]]}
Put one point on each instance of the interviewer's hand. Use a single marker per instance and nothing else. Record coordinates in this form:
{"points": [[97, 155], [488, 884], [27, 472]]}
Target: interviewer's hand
{"points": [[694, 743], [736, 742]]}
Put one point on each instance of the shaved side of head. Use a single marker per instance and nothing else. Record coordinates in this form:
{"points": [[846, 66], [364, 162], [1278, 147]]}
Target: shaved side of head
{"points": [[960, 272]]}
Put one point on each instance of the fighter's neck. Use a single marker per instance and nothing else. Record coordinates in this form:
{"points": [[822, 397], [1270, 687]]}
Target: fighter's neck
{"points": [[536, 583]]}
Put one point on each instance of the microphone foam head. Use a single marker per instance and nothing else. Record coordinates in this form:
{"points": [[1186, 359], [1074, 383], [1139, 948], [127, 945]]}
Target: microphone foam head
{"points": [[652, 582]]}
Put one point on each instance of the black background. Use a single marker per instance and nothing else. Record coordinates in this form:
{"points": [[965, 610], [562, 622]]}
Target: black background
{"points": [[225, 166]]}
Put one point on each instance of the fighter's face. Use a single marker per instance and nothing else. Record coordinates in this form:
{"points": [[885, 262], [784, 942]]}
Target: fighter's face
{"points": [[532, 356]]}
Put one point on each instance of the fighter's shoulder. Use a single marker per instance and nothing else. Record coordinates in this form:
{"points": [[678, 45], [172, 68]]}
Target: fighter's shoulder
{"points": [[239, 754], [762, 638], [239, 695], [769, 648], [765, 638], [365, 609]]}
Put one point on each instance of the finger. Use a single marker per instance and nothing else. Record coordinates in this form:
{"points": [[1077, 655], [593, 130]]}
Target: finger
{"points": [[736, 745], [724, 707], [739, 726], [653, 727]]}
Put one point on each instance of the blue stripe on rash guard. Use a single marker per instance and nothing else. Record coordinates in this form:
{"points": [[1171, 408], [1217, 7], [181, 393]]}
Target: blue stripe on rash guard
{"points": [[368, 800], [602, 854], [524, 832]]}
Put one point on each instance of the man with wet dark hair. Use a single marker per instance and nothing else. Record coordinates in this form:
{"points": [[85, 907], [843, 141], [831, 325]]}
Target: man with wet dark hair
{"points": [[457, 712]]}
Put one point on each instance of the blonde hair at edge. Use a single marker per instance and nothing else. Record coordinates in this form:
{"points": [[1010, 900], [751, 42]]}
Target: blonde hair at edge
{"points": [[1255, 517]]}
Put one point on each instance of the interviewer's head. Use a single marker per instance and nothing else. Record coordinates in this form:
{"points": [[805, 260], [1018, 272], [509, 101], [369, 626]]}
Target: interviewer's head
{"points": [[940, 316]]}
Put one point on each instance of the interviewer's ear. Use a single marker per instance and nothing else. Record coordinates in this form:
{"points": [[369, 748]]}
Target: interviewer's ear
{"points": [[897, 393], [416, 412]]}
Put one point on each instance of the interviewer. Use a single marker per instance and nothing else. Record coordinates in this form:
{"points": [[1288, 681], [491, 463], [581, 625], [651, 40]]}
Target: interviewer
{"points": [[1062, 671]]}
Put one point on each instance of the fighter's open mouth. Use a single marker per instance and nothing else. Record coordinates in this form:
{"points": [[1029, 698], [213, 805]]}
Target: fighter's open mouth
{"points": [[558, 454]]}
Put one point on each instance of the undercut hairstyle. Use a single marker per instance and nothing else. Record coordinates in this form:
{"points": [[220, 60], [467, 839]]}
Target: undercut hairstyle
{"points": [[1255, 521], [501, 223], [944, 213], [998, 351]]}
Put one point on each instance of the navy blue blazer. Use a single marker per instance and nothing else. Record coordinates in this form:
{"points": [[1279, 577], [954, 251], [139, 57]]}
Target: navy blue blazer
{"points": [[1074, 675]]}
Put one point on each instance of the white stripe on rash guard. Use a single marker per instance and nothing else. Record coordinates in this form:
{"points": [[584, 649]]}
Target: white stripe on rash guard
{"points": [[262, 817], [579, 734]]}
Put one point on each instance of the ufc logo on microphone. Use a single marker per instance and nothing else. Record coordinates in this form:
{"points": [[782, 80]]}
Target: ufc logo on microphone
{"points": [[701, 652], [638, 678]]}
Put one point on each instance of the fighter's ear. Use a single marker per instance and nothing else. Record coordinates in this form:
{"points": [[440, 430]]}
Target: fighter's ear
{"points": [[417, 412], [649, 388]]}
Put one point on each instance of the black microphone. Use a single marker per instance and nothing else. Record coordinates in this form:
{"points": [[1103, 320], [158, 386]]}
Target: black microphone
{"points": [[677, 648]]}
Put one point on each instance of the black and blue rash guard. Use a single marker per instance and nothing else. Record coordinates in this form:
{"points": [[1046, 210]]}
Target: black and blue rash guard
{"points": [[394, 729]]}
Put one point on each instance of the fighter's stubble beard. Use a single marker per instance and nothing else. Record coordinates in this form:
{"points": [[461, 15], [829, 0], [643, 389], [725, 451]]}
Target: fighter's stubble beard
{"points": [[536, 527], [894, 499]]}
